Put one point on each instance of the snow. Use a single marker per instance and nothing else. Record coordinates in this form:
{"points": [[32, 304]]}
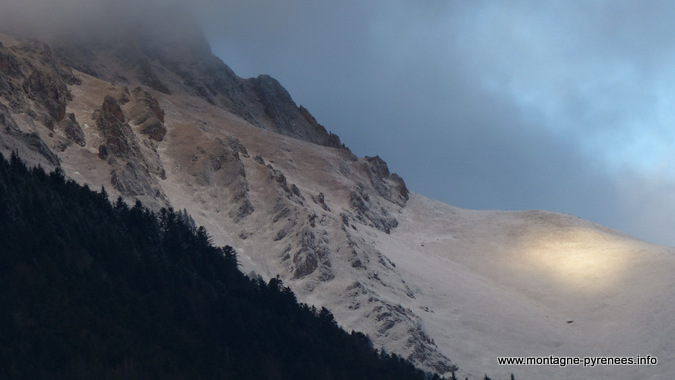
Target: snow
{"points": [[535, 284], [485, 283]]}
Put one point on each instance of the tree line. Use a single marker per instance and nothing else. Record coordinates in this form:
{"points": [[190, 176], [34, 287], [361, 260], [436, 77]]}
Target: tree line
{"points": [[96, 289]]}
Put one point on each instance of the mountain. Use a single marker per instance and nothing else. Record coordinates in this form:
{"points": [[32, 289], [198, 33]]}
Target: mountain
{"points": [[151, 115], [181, 130], [92, 290]]}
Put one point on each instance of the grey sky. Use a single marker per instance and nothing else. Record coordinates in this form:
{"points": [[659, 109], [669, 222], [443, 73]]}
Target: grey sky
{"points": [[558, 105]]}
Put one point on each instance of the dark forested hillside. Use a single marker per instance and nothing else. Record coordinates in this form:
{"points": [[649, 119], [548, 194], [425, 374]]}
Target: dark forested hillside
{"points": [[90, 289]]}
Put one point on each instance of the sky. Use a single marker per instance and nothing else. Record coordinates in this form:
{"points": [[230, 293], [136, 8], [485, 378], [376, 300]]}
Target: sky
{"points": [[561, 105], [565, 106]]}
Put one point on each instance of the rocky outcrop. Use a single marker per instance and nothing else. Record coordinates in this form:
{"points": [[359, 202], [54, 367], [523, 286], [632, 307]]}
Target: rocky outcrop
{"points": [[10, 77], [34, 84], [277, 111], [30, 146], [45, 80], [326, 139], [9, 64], [321, 200], [313, 254], [133, 172], [118, 137], [48, 91], [133, 180], [421, 347], [72, 130], [389, 185], [146, 113], [370, 211], [395, 322], [368, 201], [216, 165]]}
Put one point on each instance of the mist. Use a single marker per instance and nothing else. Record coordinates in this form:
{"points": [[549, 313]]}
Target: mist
{"points": [[103, 19]]}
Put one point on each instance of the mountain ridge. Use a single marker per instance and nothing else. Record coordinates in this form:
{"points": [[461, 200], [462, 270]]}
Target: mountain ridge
{"points": [[140, 144]]}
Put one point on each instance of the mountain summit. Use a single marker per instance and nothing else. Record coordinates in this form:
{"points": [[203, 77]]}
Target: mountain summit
{"points": [[150, 114], [166, 51], [140, 106]]}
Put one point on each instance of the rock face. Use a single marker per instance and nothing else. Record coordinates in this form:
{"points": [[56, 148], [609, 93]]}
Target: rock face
{"points": [[283, 115], [133, 171], [216, 167], [389, 185], [34, 89], [147, 114], [162, 120]]}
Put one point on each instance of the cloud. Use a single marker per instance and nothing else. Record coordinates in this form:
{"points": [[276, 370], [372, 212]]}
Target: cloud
{"points": [[526, 104], [47, 19], [39, 16], [596, 70]]}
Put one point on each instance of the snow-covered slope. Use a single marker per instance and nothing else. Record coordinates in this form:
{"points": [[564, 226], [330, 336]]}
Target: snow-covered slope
{"points": [[490, 284]]}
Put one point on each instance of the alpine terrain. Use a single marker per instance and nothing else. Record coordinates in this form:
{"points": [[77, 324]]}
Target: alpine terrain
{"points": [[150, 114]]}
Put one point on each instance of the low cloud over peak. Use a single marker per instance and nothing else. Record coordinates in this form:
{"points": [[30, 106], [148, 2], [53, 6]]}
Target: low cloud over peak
{"points": [[103, 18]]}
